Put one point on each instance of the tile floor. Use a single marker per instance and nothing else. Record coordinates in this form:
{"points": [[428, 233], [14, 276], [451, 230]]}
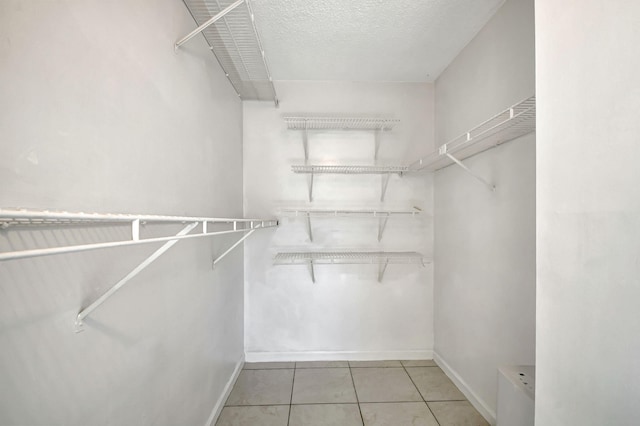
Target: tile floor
{"points": [[341, 393]]}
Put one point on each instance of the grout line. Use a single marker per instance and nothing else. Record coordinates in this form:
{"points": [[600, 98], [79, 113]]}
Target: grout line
{"points": [[258, 405], [420, 393], [351, 403], [356, 392], [328, 403], [291, 399]]}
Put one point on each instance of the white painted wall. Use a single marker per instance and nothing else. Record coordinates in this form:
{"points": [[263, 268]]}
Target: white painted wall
{"points": [[588, 325], [485, 242], [97, 113], [347, 313]]}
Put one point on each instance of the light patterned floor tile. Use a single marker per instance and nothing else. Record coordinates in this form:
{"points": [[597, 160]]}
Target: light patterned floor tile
{"points": [[397, 413], [379, 364], [322, 364], [384, 385], [268, 365], [325, 415], [262, 387], [271, 415], [457, 413], [420, 363], [323, 385], [434, 385]]}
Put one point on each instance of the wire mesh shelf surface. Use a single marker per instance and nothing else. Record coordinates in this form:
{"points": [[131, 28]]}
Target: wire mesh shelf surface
{"points": [[27, 217], [516, 121], [340, 123], [349, 258], [235, 42], [348, 213], [372, 170]]}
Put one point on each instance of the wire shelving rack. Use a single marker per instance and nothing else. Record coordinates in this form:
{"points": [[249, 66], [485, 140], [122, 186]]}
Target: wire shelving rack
{"points": [[382, 216], [229, 28], [193, 227], [380, 258], [515, 121]]}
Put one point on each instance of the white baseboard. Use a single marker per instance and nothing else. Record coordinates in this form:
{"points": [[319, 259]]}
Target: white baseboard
{"points": [[337, 356], [479, 404], [225, 393]]}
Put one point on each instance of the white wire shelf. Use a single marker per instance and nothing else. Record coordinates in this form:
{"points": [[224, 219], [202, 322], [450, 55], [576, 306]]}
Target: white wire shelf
{"points": [[348, 213], [516, 121], [350, 170], [23, 218], [349, 258], [234, 40], [380, 258], [375, 124], [384, 171], [340, 123], [382, 216]]}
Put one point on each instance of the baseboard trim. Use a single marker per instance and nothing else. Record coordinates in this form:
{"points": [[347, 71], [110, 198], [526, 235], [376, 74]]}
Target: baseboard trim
{"points": [[474, 399], [337, 356], [215, 413]]}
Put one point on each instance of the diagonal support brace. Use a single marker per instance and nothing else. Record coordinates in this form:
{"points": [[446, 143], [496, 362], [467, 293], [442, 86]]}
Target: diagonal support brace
{"points": [[311, 186], [237, 243], [209, 22], [305, 145], [312, 271], [309, 227], [381, 226], [459, 163], [381, 271], [385, 183], [148, 261]]}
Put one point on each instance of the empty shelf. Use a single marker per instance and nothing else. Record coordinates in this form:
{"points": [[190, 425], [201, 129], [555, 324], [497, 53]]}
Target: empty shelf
{"points": [[355, 170], [516, 121], [10, 218], [380, 258], [349, 213], [22, 218], [340, 123], [376, 124], [384, 171], [349, 258], [382, 216], [234, 41]]}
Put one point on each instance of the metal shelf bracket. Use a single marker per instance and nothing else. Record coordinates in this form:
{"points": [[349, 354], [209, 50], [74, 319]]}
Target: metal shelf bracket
{"points": [[148, 261], [312, 271], [382, 224], [382, 269], [309, 227], [236, 244], [310, 187], [443, 151], [384, 184], [305, 145]]}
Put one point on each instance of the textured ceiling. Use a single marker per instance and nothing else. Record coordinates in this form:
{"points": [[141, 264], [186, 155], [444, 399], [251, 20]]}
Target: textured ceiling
{"points": [[367, 40]]}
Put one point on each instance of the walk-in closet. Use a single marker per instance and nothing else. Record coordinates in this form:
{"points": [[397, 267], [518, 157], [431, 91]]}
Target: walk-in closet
{"points": [[313, 213]]}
